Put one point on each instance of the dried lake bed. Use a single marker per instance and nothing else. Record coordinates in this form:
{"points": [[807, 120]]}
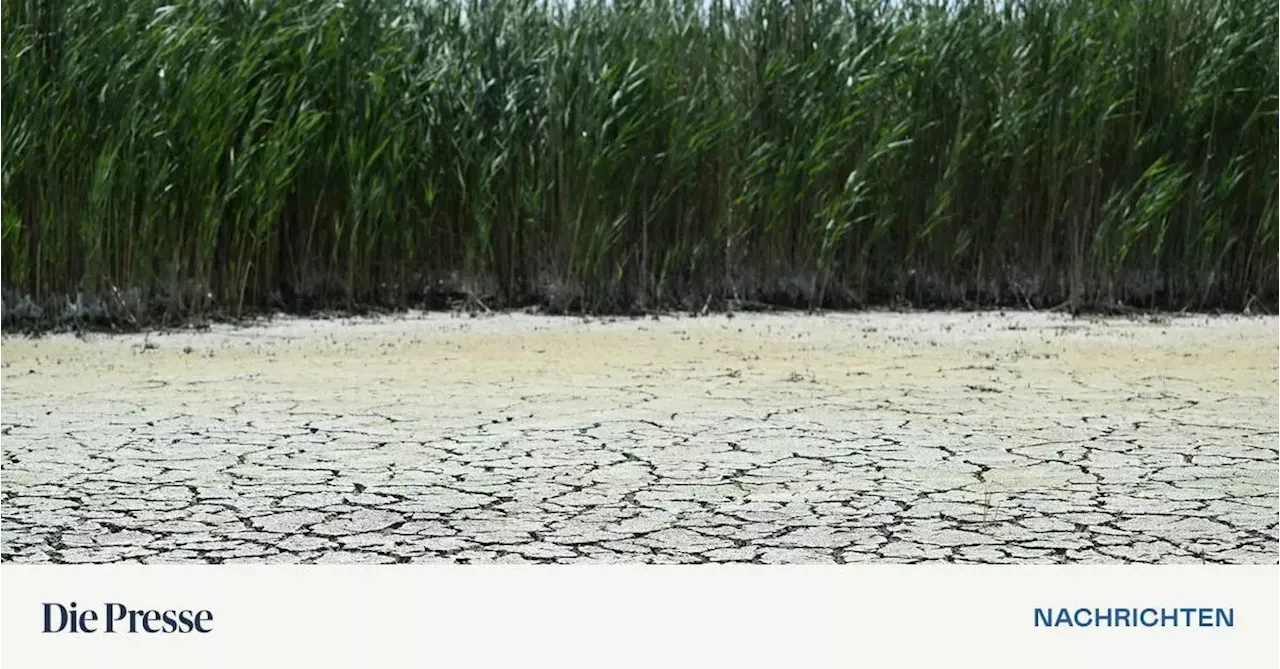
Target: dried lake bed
{"points": [[767, 438]]}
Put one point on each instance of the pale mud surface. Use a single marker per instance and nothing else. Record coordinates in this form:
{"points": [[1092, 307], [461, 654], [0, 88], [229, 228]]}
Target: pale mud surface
{"points": [[875, 437]]}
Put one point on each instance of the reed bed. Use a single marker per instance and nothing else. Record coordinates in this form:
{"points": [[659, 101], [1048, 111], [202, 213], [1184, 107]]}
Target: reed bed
{"points": [[170, 160]]}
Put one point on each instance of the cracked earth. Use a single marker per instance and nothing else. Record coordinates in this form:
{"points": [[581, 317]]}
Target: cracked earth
{"points": [[874, 437]]}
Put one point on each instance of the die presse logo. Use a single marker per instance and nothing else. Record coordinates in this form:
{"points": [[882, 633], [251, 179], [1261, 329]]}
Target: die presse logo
{"points": [[114, 618]]}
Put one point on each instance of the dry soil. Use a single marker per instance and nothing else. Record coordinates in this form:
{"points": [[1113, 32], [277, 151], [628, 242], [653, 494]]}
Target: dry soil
{"points": [[872, 437]]}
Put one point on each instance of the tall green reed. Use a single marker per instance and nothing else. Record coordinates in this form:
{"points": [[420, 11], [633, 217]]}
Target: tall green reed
{"points": [[235, 156]]}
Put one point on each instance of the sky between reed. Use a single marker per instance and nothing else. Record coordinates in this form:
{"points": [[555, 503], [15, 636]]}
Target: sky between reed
{"points": [[237, 156]]}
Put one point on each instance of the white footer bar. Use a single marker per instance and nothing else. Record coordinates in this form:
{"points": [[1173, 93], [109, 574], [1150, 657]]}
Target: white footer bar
{"points": [[632, 616]]}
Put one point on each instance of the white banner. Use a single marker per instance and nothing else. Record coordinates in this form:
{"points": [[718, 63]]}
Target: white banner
{"points": [[637, 616]]}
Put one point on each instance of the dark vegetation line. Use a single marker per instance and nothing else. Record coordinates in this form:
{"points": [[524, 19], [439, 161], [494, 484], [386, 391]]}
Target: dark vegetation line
{"points": [[169, 161]]}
